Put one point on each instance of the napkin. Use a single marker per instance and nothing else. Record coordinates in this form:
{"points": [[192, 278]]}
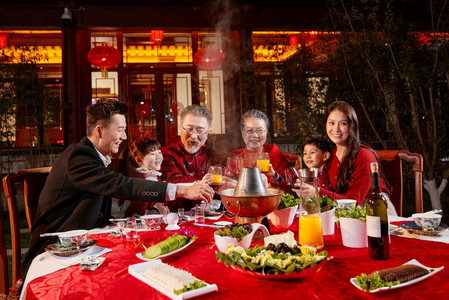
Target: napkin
{"points": [[47, 263]]}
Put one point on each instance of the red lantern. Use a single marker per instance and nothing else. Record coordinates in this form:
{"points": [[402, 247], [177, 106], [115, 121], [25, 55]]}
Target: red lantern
{"points": [[2, 41], [209, 59], [157, 36], [293, 40], [104, 57]]}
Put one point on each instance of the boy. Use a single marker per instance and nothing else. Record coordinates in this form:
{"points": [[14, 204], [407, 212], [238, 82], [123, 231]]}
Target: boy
{"points": [[316, 151]]}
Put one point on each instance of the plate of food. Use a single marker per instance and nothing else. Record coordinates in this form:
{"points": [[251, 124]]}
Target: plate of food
{"points": [[167, 247], [280, 258], [60, 250], [413, 228], [172, 282], [393, 278]]}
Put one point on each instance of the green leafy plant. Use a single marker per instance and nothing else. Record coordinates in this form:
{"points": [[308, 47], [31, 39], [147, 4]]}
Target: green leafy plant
{"points": [[288, 200], [353, 212], [327, 203]]}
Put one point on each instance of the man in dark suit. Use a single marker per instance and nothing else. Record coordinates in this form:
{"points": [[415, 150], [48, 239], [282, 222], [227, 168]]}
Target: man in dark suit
{"points": [[78, 191]]}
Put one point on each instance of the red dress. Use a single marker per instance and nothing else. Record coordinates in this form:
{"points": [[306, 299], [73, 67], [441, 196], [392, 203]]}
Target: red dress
{"points": [[277, 160], [179, 166], [360, 183]]}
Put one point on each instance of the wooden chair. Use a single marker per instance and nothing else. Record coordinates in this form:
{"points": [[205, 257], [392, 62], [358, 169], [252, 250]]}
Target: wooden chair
{"points": [[33, 182], [391, 161]]}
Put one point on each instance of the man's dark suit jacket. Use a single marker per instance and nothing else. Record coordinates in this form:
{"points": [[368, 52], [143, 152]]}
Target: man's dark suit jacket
{"points": [[77, 195]]}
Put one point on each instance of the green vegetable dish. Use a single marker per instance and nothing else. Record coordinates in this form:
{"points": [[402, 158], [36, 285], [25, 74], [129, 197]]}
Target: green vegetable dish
{"points": [[327, 203], [373, 282], [267, 262], [197, 284], [354, 212], [288, 200], [236, 231]]}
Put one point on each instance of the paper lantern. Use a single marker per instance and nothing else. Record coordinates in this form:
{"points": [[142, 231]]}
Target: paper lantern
{"points": [[293, 40], [157, 36], [209, 59], [104, 57], [2, 41]]}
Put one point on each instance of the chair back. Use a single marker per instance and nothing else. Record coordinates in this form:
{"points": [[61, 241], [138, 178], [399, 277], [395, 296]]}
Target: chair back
{"points": [[294, 160], [4, 280], [391, 162], [33, 182]]}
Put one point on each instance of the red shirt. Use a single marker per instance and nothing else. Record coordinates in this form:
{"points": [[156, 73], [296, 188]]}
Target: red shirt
{"points": [[180, 166], [277, 160], [360, 183]]}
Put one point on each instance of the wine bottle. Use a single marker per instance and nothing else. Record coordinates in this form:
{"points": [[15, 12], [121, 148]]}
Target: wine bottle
{"points": [[377, 226]]}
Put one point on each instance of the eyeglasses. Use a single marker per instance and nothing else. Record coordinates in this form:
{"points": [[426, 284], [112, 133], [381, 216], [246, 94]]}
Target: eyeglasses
{"points": [[251, 131], [198, 131]]}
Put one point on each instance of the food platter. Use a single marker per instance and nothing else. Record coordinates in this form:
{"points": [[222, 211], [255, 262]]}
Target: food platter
{"points": [[432, 271], [140, 255], [413, 228], [293, 275], [139, 271], [59, 250]]}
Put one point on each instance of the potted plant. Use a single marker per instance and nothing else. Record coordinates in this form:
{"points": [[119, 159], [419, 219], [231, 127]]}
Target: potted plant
{"points": [[327, 214], [284, 215], [352, 222]]}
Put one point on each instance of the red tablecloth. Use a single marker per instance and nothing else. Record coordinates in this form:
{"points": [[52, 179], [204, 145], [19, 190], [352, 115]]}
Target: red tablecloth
{"points": [[112, 281]]}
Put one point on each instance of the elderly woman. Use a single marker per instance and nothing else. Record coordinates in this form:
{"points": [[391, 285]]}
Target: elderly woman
{"points": [[254, 125]]}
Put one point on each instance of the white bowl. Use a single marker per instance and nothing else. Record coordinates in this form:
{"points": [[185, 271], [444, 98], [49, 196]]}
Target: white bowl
{"points": [[151, 222], [427, 221], [73, 237], [223, 241], [342, 203]]}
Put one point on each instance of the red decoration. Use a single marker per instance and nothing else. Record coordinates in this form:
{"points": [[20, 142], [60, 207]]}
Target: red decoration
{"points": [[104, 57], [209, 59], [2, 41], [293, 40], [157, 36]]}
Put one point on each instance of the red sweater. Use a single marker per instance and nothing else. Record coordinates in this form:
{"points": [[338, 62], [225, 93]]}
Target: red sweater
{"points": [[276, 159], [360, 183], [180, 166]]}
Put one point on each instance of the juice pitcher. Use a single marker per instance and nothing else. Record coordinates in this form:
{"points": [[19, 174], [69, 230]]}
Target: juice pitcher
{"points": [[310, 229]]}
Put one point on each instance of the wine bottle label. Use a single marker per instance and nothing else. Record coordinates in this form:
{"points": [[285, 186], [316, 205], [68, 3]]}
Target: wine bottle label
{"points": [[373, 226]]}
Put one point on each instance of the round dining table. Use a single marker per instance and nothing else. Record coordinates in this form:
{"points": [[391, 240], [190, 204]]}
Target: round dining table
{"points": [[112, 280]]}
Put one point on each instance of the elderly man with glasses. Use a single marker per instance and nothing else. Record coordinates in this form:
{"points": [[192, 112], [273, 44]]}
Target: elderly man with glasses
{"points": [[188, 160]]}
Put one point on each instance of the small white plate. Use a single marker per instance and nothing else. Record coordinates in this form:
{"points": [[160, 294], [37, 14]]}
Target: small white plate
{"points": [[139, 270], [433, 271], [140, 255]]}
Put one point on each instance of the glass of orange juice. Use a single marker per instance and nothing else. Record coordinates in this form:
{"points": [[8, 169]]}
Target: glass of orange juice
{"points": [[263, 162], [310, 228], [217, 176]]}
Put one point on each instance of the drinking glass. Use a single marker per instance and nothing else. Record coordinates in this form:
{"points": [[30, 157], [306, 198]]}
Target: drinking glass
{"points": [[233, 166], [131, 234], [121, 229], [263, 162], [199, 215], [180, 213], [217, 176], [291, 177], [310, 228]]}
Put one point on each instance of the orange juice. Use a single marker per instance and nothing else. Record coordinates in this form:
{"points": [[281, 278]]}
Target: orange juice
{"points": [[310, 231], [216, 179], [263, 165]]}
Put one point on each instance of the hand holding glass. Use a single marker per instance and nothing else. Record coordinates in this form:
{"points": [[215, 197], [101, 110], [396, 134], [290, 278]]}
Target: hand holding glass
{"points": [[217, 176], [263, 162]]}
